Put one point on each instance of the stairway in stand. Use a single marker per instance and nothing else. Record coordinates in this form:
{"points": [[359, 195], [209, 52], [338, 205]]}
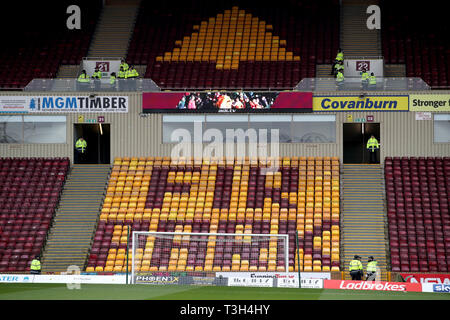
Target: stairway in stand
{"points": [[114, 31], [356, 38], [324, 71], [363, 216], [76, 218], [395, 70]]}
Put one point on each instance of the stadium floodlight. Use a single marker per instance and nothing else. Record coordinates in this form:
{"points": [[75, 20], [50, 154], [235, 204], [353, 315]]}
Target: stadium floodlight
{"points": [[156, 252]]}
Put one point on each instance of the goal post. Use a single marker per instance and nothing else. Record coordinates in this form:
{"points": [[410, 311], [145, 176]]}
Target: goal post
{"points": [[189, 252]]}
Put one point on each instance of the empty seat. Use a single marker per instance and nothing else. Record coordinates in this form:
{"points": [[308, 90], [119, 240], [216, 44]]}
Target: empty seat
{"points": [[225, 196], [247, 53], [24, 227], [412, 231]]}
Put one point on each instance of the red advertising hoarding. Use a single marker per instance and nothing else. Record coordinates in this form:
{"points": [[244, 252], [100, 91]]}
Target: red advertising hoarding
{"points": [[372, 285], [227, 102], [438, 278]]}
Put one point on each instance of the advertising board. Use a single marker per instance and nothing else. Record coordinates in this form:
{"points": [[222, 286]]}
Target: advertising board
{"points": [[361, 103], [372, 285], [226, 102]]}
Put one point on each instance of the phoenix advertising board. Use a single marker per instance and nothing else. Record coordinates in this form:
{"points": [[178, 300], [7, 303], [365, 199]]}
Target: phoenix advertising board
{"points": [[157, 280]]}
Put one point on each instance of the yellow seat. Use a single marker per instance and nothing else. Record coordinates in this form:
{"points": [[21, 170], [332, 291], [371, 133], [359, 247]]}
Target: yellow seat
{"points": [[117, 268], [90, 269], [335, 269], [145, 268], [307, 269]]}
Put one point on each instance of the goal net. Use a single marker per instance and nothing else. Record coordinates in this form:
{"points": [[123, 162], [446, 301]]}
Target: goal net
{"points": [[189, 253]]}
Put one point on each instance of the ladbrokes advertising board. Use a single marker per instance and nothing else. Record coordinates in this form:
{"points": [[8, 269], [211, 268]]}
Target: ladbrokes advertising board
{"points": [[357, 103], [372, 285]]}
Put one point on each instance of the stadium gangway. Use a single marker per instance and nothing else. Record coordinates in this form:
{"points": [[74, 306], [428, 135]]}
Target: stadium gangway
{"points": [[72, 85], [355, 84]]}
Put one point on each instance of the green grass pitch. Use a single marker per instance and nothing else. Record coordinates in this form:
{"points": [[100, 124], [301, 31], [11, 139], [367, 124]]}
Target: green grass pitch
{"points": [[180, 292]]}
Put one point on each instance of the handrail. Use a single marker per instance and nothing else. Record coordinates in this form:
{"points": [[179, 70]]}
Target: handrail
{"points": [[354, 83], [362, 57], [102, 85], [440, 87], [318, 85], [234, 89], [103, 58], [11, 89]]}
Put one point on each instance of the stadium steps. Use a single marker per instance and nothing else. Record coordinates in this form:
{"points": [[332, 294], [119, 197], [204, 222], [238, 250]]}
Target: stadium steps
{"points": [[356, 39], [141, 69], [363, 216], [323, 71], [323, 75], [114, 30], [67, 71], [76, 218], [395, 70]]}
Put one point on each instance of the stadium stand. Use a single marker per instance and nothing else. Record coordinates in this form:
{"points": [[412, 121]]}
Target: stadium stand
{"points": [[217, 45], [417, 207], [242, 45], [229, 196], [417, 38], [39, 46], [29, 193]]}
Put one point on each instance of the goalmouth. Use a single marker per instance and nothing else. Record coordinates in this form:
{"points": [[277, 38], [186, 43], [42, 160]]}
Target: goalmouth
{"points": [[190, 253]]}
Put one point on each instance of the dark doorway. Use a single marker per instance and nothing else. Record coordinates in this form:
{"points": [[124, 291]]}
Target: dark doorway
{"points": [[355, 137], [97, 137]]}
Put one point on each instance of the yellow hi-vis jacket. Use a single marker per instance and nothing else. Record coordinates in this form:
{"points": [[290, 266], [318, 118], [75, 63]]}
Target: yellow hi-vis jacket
{"points": [[97, 75], [81, 145], [355, 265], [338, 66], [340, 56], [121, 74], [35, 265], [372, 266], [364, 76], [339, 77], [131, 74], [372, 144], [372, 80], [124, 66], [83, 78]]}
